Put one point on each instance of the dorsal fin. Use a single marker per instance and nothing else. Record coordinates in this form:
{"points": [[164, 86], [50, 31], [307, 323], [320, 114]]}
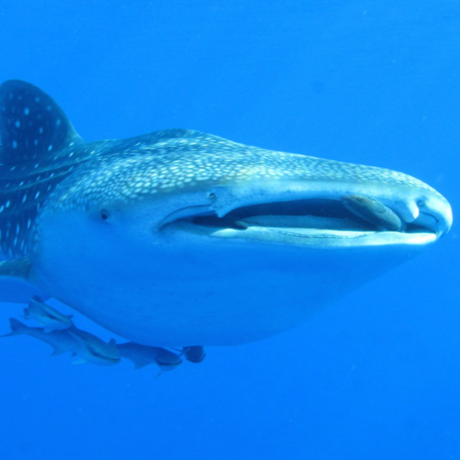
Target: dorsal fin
{"points": [[32, 125]]}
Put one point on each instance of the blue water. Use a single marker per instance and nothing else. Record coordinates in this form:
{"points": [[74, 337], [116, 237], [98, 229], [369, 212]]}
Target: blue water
{"points": [[376, 376]]}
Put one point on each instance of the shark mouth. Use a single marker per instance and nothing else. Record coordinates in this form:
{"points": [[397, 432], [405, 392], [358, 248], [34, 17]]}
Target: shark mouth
{"points": [[349, 221]]}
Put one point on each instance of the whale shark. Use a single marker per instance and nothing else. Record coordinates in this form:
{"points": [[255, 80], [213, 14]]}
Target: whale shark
{"points": [[180, 238]]}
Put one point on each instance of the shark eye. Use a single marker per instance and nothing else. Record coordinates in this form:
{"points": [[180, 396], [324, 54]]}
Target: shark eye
{"points": [[104, 214]]}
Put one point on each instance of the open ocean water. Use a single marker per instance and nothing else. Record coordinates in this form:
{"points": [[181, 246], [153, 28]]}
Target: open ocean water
{"points": [[376, 376]]}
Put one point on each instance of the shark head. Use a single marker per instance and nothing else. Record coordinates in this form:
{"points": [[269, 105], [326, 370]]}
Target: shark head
{"points": [[202, 190], [179, 237], [197, 186]]}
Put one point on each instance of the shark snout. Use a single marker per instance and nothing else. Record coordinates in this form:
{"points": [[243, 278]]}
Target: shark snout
{"points": [[435, 213]]}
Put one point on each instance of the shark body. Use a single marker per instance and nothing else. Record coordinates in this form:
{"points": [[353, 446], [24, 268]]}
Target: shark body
{"points": [[181, 238]]}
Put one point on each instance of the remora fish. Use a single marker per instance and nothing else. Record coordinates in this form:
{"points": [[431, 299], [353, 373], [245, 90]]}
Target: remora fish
{"points": [[142, 355], [47, 316], [142, 235], [63, 342], [96, 350]]}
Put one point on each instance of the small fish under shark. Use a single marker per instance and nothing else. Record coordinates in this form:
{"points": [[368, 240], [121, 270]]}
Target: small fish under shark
{"points": [[88, 347], [49, 317], [143, 355], [182, 239], [60, 332], [91, 349]]}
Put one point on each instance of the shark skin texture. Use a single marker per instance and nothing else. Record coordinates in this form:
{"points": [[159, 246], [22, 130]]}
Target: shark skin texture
{"points": [[179, 238]]}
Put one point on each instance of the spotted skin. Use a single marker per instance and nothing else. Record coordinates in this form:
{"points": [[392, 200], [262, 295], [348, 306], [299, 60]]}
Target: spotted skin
{"points": [[191, 160]]}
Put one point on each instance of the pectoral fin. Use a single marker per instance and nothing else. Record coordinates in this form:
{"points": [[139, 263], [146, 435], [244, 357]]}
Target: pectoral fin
{"points": [[14, 281], [16, 268]]}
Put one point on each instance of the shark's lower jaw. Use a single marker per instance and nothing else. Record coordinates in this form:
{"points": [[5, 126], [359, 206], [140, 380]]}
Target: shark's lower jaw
{"points": [[311, 222]]}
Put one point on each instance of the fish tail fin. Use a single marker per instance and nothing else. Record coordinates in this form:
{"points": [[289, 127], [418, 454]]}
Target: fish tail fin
{"points": [[16, 328]]}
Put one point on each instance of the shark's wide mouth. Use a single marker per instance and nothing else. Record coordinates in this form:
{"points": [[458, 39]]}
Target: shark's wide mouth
{"points": [[349, 221]]}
